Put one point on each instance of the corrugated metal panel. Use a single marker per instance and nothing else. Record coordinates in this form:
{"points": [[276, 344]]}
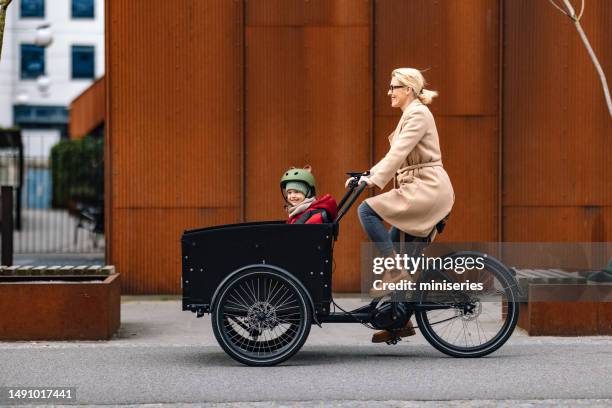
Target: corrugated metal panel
{"points": [[309, 102], [469, 53], [556, 125], [470, 154], [87, 111], [458, 41], [455, 41], [175, 98], [147, 248], [406, 34], [276, 126], [308, 12], [558, 224], [190, 76]]}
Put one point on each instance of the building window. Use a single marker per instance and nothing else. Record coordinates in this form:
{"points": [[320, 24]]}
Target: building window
{"points": [[32, 61], [82, 62], [27, 115], [82, 8], [32, 8]]}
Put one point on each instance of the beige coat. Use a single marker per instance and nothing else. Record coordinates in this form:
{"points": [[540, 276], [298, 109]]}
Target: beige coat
{"points": [[425, 194]]}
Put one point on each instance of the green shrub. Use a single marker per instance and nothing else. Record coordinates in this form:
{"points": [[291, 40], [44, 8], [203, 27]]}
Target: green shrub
{"points": [[77, 171]]}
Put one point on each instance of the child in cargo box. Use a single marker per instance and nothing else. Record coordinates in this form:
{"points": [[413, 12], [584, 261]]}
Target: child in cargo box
{"points": [[298, 187]]}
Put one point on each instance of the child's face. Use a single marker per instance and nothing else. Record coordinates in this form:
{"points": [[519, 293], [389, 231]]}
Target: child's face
{"points": [[295, 197]]}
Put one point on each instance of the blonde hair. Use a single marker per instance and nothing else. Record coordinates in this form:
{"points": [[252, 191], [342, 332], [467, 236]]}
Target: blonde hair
{"points": [[413, 78]]}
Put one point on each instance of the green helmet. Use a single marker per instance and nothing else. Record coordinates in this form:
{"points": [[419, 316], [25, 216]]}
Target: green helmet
{"points": [[299, 175]]}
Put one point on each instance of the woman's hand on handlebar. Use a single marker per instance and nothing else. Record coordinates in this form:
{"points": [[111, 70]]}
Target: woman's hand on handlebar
{"points": [[362, 179], [366, 180]]}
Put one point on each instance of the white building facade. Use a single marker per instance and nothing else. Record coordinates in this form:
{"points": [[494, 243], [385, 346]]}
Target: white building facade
{"points": [[39, 80], [69, 64]]}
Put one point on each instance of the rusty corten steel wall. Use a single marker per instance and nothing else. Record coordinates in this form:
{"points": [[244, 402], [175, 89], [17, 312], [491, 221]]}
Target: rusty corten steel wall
{"points": [[88, 110], [557, 131], [309, 78], [458, 43], [174, 82], [182, 152]]}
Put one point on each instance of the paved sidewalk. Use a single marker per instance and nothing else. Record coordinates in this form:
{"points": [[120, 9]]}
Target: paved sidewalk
{"points": [[162, 355], [159, 320]]}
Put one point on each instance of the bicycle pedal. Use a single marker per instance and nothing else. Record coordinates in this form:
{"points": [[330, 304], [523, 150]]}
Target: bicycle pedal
{"points": [[393, 341]]}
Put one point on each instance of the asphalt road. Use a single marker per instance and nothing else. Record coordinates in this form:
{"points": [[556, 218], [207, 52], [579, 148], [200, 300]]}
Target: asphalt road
{"points": [[165, 356]]}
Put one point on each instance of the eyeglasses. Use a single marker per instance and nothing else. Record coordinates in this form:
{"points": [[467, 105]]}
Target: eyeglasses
{"points": [[394, 87]]}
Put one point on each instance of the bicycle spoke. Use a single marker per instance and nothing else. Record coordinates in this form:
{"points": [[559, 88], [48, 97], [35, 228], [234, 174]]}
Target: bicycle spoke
{"points": [[479, 312], [262, 316]]}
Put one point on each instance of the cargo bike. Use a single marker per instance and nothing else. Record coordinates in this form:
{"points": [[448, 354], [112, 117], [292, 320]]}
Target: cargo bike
{"points": [[266, 283]]}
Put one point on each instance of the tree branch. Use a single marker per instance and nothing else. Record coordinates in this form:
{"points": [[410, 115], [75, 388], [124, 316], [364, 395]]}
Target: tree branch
{"points": [[3, 6], [587, 44]]}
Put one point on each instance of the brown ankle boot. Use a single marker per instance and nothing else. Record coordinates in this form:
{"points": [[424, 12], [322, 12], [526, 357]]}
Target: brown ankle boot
{"points": [[386, 335]]}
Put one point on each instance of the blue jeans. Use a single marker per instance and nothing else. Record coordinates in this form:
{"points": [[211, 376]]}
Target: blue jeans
{"points": [[373, 225]]}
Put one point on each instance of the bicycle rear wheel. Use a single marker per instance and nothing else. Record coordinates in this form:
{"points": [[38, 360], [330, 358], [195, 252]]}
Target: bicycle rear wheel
{"points": [[473, 323]]}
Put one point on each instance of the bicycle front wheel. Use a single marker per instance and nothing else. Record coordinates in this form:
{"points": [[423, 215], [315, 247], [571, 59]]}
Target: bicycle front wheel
{"points": [[261, 318]]}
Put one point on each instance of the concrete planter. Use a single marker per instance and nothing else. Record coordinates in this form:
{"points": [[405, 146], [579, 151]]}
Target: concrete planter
{"points": [[585, 310], [59, 303]]}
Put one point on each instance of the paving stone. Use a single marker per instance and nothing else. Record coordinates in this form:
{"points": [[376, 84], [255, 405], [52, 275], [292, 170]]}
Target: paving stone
{"points": [[24, 270]]}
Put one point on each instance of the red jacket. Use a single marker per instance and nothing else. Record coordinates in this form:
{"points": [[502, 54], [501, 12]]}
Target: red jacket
{"points": [[326, 203]]}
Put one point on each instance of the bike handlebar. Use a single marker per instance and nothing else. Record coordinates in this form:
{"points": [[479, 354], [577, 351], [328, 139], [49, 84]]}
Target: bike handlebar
{"points": [[354, 187]]}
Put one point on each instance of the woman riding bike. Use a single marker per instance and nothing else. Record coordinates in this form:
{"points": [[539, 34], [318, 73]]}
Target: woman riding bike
{"points": [[422, 194]]}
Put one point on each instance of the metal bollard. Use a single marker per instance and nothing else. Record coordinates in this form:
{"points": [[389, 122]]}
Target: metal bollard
{"points": [[7, 225]]}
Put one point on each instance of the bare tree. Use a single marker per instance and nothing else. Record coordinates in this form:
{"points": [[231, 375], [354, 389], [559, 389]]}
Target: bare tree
{"points": [[3, 6], [569, 11]]}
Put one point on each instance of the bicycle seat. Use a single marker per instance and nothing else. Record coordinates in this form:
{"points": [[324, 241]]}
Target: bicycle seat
{"points": [[442, 224]]}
